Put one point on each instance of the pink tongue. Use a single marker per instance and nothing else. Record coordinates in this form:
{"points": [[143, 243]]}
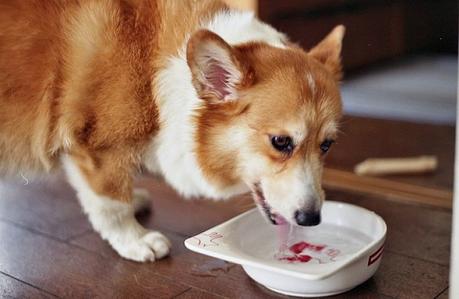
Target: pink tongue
{"points": [[283, 231], [280, 220]]}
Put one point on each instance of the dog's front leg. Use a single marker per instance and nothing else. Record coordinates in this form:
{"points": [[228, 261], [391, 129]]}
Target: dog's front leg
{"points": [[114, 219]]}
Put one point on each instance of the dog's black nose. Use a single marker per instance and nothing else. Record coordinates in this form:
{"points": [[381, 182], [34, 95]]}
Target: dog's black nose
{"points": [[307, 218]]}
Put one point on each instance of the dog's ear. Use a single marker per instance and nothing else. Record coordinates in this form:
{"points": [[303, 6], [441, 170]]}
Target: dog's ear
{"points": [[328, 51], [217, 68]]}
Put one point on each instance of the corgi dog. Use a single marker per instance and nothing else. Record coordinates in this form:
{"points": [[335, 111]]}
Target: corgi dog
{"points": [[211, 99]]}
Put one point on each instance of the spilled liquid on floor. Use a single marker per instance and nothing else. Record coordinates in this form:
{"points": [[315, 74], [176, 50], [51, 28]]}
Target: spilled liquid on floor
{"points": [[211, 268]]}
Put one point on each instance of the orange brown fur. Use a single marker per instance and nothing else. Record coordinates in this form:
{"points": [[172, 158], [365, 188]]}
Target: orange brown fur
{"points": [[75, 77]]}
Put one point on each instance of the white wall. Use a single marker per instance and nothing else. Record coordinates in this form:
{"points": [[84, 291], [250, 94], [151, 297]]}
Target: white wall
{"points": [[420, 89]]}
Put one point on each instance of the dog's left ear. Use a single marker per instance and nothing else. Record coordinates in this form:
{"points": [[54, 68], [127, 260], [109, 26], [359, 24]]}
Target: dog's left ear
{"points": [[217, 68], [328, 51]]}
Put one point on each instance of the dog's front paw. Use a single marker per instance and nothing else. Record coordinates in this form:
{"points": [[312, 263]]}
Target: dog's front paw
{"points": [[148, 248]]}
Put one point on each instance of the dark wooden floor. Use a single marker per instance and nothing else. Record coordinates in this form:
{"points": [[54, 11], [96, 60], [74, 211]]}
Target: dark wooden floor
{"points": [[47, 248]]}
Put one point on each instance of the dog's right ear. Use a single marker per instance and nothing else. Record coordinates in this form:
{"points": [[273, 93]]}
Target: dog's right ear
{"points": [[328, 51], [217, 68]]}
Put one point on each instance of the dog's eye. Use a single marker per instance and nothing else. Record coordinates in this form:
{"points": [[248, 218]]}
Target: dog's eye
{"points": [[325, 146], [282, 143]]}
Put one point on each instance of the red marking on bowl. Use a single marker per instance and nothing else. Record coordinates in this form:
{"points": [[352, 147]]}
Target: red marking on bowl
{"points": [[376, 255], [332, 252], [208, 239], [298, 248]]}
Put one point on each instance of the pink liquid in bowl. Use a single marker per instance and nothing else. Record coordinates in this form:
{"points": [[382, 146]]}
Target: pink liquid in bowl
{"points": [[300, 251], [322, 244]]}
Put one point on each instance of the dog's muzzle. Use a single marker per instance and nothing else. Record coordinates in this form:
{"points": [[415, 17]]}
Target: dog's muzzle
{"points": [[260, 200]]}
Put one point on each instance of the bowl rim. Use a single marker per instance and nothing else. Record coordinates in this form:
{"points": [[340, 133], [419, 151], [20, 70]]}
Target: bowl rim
{"points": [[246, 261]]}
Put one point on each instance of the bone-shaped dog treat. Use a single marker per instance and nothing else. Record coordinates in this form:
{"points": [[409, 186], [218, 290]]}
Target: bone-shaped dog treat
{"points": [[383, 166]]}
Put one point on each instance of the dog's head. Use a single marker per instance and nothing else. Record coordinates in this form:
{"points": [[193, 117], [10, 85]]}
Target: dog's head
{"points": [[268, 118]]}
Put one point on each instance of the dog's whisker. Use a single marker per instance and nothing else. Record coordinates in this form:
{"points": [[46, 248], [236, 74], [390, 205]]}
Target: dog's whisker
{"points": [[26, 181]]}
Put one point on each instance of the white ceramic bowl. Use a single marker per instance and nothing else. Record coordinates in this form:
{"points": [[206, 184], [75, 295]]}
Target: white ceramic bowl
{"points": [[343, 251]]}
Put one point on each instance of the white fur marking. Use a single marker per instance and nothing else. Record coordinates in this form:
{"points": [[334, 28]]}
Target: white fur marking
{"points": [[237, 27], [312, 83], [115, 221], [26, 181]]}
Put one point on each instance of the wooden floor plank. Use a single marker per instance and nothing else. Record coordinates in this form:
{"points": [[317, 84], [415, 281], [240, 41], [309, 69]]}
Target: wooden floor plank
{"points": [[403, 277], [49, 207], [13, 288], [68, 271], [194, 293], [444, 294]]}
